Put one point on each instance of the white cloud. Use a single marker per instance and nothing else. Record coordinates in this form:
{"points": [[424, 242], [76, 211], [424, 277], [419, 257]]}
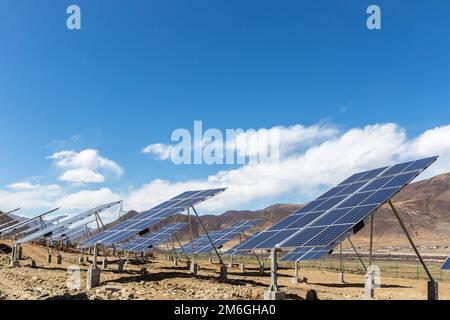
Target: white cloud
{"points": [[29, 196], [309, 166], [87, 199], [86, 166], [160, 150], [252, 142], [327, 159]]}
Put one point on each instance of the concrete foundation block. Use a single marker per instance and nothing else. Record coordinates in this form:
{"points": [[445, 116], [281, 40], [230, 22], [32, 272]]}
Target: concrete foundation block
{"points": [[175, 262], [81, 259], [194, 268], [14, 263], [49, 258], [296, 280], [120, 265], [369, 286], [33, 264], [58, 259], [341, 277], [261, 269], [242, 267], [433, 290], [93, 278], [274, 295], [19, 253], [223, 272], [105, 264], [188, 265]]}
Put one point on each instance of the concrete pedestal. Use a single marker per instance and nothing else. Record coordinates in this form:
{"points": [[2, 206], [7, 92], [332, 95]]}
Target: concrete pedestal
{"points": [[274, 295], [19, 253], [369, 286], [49, 258], [14, 263], [105, 263], [261, 269], [296, 280], [58, 259], [340, 277], [433, 289], [175, 262], [194, 268], [81, 259], [223, 272], [242, 267], [120, 265], [93, 278], [33, 264], [188, 265], [209, 260]]}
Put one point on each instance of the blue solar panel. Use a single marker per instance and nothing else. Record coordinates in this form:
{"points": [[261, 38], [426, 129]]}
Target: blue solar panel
{"points": [[218, 237], [146, 219], [150, 240], [446, 265], [333, 214]]}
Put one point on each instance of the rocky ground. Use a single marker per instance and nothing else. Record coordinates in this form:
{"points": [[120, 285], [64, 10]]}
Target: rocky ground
{"points": [[163, 281]]}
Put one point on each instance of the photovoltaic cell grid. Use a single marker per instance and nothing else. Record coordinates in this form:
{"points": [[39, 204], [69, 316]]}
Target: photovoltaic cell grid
{"points": [[300, 254], [218, 237], [322, 221], [446, 265], [51, 230], [146, 219], [148, 241]]}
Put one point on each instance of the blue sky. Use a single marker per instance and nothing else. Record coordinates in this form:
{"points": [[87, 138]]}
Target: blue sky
{"points": [[140, 69]]}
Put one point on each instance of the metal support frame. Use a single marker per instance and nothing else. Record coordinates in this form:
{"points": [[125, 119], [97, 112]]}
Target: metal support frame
{"points": [[207, 235], [357, 254], [182, 248], [254, 252], [402, 225], [273, 270], [273, 292], [191, 234]]}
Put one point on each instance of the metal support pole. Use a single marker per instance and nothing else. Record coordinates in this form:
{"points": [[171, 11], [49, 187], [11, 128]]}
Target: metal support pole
{"points": [[191, 236], [94, 261], [209, 238], [256, 255], [411, 242], [371, 238], [182, 248], [274, 269], [273, 293], [357, 254]]}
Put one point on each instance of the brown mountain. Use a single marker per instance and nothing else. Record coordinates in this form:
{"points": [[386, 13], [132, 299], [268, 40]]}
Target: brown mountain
{"points": [[424, 207]]}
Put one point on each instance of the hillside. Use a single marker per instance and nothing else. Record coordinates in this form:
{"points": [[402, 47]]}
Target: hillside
{"points": [[424, 207]]}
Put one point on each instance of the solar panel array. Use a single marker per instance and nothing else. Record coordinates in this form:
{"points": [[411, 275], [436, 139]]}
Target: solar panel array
{"points": [[446, 265], [324, 221], [218, 237], [146, 219], [150, 240], [51, 230]]}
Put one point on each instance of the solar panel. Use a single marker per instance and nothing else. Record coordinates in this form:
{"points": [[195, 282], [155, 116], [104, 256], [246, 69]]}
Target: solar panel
{"points": [[218, 237], [146, 219], [446, 265], [40, 226], [323, 221], [49, 231], [16, 225], [150, 240]]}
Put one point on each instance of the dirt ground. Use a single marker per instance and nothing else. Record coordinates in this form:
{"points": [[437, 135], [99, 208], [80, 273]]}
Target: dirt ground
{"points": [[164, 281]]}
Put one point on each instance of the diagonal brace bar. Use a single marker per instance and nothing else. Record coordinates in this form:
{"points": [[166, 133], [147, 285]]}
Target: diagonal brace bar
{"points": [[207, 235], [411, 241]]}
